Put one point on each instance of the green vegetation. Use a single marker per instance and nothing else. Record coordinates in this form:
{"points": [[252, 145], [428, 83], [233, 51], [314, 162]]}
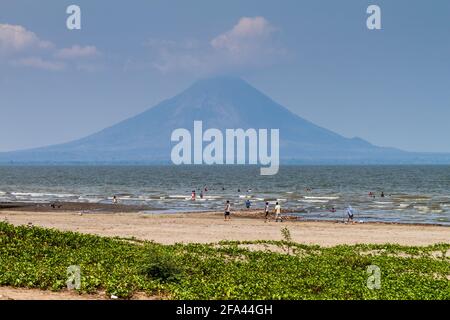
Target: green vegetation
{"points": [[38, 258]]}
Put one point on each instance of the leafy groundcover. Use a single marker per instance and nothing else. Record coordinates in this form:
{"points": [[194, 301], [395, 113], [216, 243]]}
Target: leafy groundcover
{"points": [[34, 257]]}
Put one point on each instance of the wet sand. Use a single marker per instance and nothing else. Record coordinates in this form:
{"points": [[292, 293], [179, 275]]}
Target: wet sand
{"points": [[71, 207]]}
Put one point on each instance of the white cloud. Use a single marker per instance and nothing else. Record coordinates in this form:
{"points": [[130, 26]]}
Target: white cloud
{"points": [[15, 38], [251, 43], [39, 63], [77, 52], [21, 47], [246, 35]]}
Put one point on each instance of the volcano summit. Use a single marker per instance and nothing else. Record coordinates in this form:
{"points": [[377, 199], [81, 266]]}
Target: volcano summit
{"points": [[222, 103]]}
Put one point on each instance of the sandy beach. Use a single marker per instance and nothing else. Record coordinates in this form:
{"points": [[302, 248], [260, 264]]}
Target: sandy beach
{"points": [[210, 228], [9, 293]]}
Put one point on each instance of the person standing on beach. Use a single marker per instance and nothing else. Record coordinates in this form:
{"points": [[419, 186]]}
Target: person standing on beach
{"points": [[266, 212], [228, 211], [350, 214], [278, 213]]}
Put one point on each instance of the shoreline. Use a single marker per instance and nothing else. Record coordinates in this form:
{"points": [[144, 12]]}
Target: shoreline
{"points": [[108, 208], [66, 206]]}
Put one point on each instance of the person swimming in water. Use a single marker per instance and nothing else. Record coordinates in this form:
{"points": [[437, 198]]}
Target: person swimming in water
{"points": [[248, 204], [193, 195], [382, 194]]}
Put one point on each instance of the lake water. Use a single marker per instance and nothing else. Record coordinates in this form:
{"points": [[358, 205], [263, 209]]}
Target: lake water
{"points": [[414, 194]]}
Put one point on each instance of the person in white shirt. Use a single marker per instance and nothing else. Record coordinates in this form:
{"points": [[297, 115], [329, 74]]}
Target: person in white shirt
{"points": [[278, 213], [228, 211]]}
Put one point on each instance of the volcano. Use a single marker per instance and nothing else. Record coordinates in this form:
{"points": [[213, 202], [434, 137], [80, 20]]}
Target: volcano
{"points": [[220, 102]]}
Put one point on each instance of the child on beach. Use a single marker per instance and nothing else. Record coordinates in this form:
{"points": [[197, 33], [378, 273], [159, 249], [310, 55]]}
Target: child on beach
{"points": [[228, 211], [278, 213], [266, 212]]}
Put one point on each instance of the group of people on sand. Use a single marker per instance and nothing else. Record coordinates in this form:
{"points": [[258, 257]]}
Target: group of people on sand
{"points": [[277, 211]]}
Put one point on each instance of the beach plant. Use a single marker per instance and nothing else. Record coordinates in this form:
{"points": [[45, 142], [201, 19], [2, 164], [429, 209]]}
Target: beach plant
{"points": [[286, 234], [160, 266], [34, 257], [287, 239]]}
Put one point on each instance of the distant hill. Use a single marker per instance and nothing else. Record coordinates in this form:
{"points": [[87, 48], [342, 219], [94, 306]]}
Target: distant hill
{"points": [[222, 102]]}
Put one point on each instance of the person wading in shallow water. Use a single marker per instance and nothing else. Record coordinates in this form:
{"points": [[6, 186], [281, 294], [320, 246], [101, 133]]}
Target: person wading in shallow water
{"points": [[228, 211], [350, 214]]}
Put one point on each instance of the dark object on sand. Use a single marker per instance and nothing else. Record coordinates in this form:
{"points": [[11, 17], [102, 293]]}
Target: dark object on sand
{"points": [[74, 207]]}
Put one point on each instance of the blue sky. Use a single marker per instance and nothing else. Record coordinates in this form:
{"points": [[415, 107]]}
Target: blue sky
{"points": [[317, 58]]}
